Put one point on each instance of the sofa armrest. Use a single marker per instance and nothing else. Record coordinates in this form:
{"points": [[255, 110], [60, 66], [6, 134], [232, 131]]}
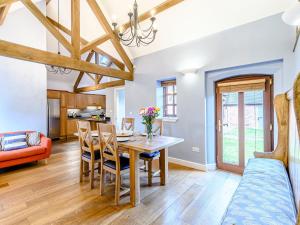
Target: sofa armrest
{"points": [[46, 143]]}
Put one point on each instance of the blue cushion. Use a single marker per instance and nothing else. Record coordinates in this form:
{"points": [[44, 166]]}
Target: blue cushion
{"points": [[124, 163], [88, 155], [149, 155], [264, 196], [14, 141]]}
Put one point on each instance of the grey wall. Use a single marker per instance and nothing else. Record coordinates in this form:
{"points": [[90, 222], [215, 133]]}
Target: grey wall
{"points": [[262, 41], [23, 100]]}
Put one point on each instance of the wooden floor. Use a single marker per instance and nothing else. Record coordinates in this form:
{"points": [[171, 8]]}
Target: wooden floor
{"points": [[51, 194]]}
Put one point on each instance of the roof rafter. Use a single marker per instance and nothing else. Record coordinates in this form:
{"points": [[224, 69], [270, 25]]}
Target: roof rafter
{"points": [[94, 43], [79, 78], [84, 42], [3, 13], [104, 23], [40, 16], [22, 52], [101, 86], [154, 11]]}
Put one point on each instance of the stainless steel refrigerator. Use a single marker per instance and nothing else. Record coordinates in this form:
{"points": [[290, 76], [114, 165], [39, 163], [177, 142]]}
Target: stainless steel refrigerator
{"points": [[53, 118]]}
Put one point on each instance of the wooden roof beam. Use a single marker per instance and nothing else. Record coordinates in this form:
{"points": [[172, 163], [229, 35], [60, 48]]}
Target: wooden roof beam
{"points": [[156, 10], [7, 2], [3, 13], [106, 26], [84, 42], [75, 28], [79, 78], [94, 43], [22, 52], [101, 86], [40, 16]]}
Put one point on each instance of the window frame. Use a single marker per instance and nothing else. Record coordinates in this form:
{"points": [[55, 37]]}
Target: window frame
{"points": [[166, 94]]}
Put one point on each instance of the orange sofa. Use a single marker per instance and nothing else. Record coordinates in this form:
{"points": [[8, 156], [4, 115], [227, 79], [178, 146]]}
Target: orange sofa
{"points": [[26, 155]]}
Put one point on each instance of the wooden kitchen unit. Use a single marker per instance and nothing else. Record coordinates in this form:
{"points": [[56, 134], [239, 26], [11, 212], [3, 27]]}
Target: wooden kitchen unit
{"points": [[69, 100]]}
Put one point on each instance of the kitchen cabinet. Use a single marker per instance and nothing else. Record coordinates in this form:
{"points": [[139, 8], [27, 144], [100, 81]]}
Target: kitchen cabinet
{"points": [[81, 101], [71, 103], [63, 99], [71, 127], [52, 94], [97, 100], [63, 121], [70, 100]]}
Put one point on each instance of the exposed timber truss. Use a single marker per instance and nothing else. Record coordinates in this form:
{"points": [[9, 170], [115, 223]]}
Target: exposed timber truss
{"points": [[78, 45]]}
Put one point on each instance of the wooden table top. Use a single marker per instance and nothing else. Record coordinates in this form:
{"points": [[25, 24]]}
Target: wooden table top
{"points": [[139, 143]]}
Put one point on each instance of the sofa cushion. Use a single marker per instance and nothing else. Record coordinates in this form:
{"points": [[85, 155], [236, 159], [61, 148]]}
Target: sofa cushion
{"points": [[1, 139], [14, 141], [264, 196], [33, 138], [21, 153]]}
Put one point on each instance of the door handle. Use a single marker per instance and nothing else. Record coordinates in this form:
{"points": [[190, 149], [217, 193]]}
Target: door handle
{"points": [[220, 125]]}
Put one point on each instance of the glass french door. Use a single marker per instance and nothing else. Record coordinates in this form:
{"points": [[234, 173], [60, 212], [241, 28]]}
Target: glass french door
{"points": [[244, 120]]}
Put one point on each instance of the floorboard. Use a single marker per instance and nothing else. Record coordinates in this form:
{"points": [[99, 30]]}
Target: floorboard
{"points": [[52, 194]]}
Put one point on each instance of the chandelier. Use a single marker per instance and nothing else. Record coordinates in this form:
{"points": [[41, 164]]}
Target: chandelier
{"points": [[57, 69], [135, 36]]}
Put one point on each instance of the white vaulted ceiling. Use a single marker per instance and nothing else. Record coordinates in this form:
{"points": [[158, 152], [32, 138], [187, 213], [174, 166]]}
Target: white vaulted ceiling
{"points": [[193, 19], [187, 21]]}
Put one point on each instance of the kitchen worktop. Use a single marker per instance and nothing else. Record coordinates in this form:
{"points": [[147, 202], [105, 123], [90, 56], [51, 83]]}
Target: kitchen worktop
{"points": [[88, 119]]}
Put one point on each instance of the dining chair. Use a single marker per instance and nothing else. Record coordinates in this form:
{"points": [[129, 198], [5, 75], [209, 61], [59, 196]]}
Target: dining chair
{"points": [[127, 124], [111, 160], [89, 150], [149, 157]]}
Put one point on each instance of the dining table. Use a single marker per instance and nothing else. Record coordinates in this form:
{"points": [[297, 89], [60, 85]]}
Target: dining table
{"points": [[138, 143]]}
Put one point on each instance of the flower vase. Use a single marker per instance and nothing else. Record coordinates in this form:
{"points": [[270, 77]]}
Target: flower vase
{"points": [[149, 133]]}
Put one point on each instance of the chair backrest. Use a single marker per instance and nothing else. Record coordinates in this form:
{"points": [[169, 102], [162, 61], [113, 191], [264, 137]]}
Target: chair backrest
{"points": [[128, 124], [85, 136], [158, 127], [108, 142]]}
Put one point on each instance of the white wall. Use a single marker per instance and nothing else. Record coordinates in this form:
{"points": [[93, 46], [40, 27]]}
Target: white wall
{"points": [[261, 41], [23, 85]]}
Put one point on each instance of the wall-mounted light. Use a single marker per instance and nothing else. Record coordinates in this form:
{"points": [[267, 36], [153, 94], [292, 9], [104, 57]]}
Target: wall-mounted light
{"points": [[189, 71], [292, 17]]}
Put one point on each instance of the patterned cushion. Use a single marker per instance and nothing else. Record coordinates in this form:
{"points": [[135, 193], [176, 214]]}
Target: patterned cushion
{"points": [[264, 196], [33, 138], [149, 155], [1, 140], [14, 141]]}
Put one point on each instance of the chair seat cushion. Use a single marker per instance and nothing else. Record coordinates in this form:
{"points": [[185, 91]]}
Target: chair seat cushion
{"points": [[21, 153], [87, 155], [149, 155], [124, 163]]}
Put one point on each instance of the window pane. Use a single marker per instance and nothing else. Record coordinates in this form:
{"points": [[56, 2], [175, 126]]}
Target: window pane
{"points": [[230, 132], [170, 99], [170, 110], [254, 123], [175, 89], [170, 89], [175, 99], [175, 110]]}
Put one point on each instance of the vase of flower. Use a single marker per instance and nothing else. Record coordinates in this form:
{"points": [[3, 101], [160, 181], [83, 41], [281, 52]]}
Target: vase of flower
{"points": [[149, 114]]}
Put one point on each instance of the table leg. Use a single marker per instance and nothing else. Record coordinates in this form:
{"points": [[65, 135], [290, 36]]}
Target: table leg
{"points": [[134, 178], [163, 164]]}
